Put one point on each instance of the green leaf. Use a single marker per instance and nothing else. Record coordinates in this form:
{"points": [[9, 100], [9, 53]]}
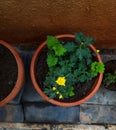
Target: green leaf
{"points": [[73, 58], [97, 67], [71, 94], [59, 50], [52, 95], [89, 41], [52, 42], [70, 46], [81, 53], [109, 78], [51, 60], [79, 37]]}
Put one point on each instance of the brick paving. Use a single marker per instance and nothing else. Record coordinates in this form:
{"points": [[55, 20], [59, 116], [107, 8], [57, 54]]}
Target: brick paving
{"points": [[29, 107]]}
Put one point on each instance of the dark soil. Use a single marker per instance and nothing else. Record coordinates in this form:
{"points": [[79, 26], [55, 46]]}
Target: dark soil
{"points": [[8, 72], [81, 89], [110, 66]]}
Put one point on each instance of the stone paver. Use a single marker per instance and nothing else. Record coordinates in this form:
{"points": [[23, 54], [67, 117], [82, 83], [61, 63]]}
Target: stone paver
{"points": [[40, 112], [98, 114], [24, 126], [11, 113], [104, 97]]}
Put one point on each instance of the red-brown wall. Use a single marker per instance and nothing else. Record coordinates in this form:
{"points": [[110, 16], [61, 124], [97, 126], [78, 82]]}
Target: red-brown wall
{"points": [[29, 21]]}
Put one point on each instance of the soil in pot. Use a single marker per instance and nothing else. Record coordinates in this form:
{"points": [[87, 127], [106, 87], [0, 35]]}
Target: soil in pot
{"points": [[110, 66], [8, 72], [81, 89]]}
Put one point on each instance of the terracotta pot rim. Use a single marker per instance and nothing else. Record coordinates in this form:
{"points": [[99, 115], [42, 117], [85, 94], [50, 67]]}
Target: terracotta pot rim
{"points": [[36, 86], [20, 76]]}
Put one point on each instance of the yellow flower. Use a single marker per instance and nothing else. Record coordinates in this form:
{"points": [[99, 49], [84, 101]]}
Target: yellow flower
{"points": [[57, 92], [60, 97], [98, 51], [61, 81], [54, 88]]}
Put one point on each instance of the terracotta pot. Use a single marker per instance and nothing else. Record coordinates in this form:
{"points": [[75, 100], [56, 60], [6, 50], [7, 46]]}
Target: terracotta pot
{"points": [[20, 76], [36, 86]]}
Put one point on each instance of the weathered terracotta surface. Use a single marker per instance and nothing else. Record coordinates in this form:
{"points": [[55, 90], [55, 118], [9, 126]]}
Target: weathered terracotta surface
{"points": [[30, 21]]}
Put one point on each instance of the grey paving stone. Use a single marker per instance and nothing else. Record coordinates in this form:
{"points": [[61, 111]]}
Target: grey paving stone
{"points": [[104, 97], [97, 114], [47, 113], [29, 94], [11, 113]]}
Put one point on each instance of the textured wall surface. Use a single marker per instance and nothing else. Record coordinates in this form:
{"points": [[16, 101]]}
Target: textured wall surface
{"points": [[29, 21]]}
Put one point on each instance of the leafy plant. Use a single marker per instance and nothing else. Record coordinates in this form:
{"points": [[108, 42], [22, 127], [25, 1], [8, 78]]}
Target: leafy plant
{"points": [[97, 67], [109, 79], [69, 63]]}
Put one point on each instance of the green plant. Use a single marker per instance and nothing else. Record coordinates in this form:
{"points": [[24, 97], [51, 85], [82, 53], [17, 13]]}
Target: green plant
{"points": [[109, 79], [69, 63], [97, 67]]}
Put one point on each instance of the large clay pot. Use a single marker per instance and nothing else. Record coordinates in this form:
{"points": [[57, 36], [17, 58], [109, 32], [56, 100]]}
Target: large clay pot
{"points": [[95, 88]]}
